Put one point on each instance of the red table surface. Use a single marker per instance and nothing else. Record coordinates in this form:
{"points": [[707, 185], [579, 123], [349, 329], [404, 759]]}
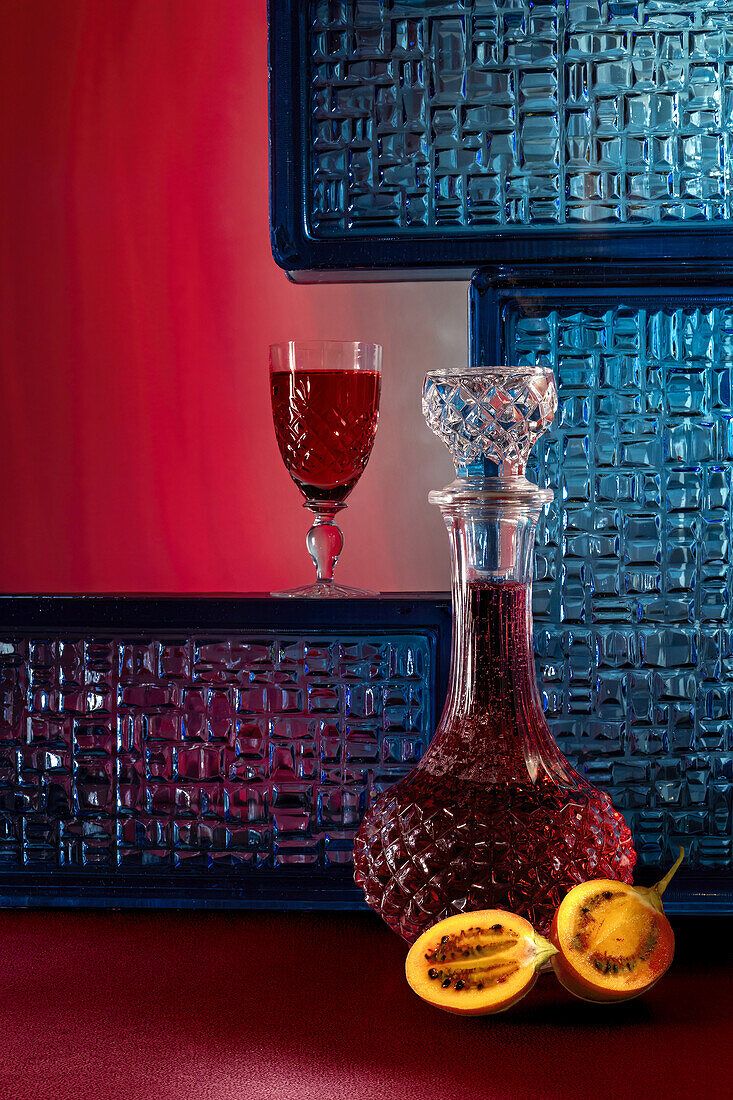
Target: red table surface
{"points": [[259, 1006]]}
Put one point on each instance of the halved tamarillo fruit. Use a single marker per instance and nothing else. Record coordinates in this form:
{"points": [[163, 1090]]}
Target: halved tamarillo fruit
{"points": [[477, 963], [613, 940]]}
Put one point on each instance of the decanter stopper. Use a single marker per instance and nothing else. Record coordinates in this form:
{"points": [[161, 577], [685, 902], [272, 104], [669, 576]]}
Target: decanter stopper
{"points": [[489, 417]]}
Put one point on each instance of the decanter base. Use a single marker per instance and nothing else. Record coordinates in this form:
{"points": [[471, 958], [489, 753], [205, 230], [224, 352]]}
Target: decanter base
{"points": [[434, 846]]}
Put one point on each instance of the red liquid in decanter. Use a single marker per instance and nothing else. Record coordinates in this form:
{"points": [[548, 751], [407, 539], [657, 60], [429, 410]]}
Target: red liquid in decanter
{"points": [[493, 816]]}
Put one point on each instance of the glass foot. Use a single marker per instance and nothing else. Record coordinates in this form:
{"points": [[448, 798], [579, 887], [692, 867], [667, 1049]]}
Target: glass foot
{"points": [[327, 590]]}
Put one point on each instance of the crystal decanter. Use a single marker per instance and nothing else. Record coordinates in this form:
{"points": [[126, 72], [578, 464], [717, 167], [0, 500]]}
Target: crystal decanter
{"points": [[493, 815]]}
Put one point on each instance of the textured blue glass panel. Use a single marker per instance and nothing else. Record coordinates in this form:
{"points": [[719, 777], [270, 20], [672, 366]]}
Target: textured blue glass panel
{"points": [[167, 748], [633, 584], [214, 752], [447, 133]]}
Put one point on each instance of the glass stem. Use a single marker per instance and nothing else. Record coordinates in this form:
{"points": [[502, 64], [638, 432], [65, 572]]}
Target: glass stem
{"points": [[325, 540]]}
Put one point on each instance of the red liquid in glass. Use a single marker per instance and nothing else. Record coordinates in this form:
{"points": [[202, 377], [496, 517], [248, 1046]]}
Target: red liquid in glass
{"points": [[325, 421], [493, 816]]}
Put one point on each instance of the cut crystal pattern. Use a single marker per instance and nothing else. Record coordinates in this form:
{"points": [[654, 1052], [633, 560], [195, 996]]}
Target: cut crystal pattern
{"points": [[435, 848], [325, 429], [495, 417], [471, 116]]}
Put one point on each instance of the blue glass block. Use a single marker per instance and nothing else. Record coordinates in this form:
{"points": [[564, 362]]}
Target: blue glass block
{"points": [[632, 595], [205, 752], [446, 134], [215, 753]]}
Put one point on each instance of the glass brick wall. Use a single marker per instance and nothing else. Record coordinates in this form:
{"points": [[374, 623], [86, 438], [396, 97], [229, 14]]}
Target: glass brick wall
{"points": [[195, 752], [460, 116], [633, 591]]}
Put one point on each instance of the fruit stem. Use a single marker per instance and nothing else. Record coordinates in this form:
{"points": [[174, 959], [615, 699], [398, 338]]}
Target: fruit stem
{"points": [[544, 951], [663, 883]]}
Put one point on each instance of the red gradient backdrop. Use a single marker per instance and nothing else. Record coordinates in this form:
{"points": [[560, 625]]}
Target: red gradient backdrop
{"points": [[138, 296]]}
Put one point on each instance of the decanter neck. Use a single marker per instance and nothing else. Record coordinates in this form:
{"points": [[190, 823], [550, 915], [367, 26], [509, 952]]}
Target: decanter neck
{"points": [[492, 557], [492, 728]]}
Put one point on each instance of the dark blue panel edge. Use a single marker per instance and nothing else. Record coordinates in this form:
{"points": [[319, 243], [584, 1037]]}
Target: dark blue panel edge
{"points": [[323, 890], [704, 282]]}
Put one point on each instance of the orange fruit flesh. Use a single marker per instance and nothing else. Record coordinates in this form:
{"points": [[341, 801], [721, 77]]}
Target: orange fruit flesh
{"points": [[613, 943], [476, 963]]}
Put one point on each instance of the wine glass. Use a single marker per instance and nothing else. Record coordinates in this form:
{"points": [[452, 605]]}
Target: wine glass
{"points": [[325, 406]]}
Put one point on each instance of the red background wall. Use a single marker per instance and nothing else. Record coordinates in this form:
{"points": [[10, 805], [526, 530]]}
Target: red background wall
{"points": [[138, 296]]}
